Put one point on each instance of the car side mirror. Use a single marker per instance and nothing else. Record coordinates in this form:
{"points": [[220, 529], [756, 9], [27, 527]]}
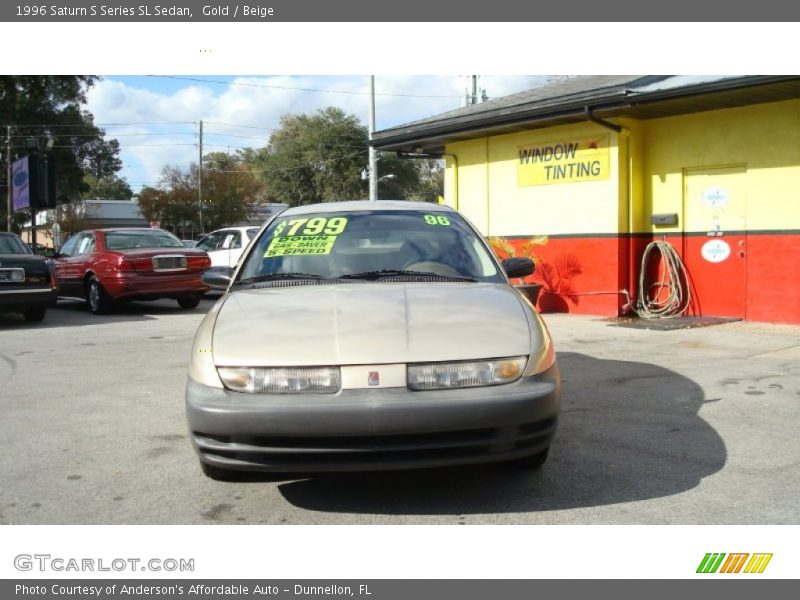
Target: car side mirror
{"points": [[49, 253], [218, 278], [518, 266]]}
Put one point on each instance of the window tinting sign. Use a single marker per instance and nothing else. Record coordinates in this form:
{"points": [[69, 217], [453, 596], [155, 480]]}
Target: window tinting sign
{"points": [[715, 196], [716, 251]]}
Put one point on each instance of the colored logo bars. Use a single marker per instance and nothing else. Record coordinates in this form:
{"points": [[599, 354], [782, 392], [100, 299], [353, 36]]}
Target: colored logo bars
{"points": [[733, 563]]}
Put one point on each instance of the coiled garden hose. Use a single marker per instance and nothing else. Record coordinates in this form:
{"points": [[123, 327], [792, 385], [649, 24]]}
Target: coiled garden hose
{"points": [[674, 282]]}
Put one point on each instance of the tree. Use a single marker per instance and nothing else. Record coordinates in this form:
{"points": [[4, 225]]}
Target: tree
{"points": [[174, 204], [227, 195], [71, 218], [398, 178], [315, 158], [228, 190], [321, 158], [39, 108], [110, 187], [430, 183]]}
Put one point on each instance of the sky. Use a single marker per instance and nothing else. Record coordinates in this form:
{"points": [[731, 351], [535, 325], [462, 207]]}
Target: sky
{"points": [[155, 118]]}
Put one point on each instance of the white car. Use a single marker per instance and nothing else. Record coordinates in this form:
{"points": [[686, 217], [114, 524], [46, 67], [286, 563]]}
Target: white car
{"points": [[225, 246]]}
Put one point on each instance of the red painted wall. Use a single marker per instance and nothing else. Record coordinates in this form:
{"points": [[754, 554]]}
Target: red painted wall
{"points": [[573, 269]]}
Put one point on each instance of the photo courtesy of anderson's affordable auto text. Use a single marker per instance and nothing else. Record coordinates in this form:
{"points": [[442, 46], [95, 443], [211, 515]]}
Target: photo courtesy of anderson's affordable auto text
{"points": [[404, 304]]}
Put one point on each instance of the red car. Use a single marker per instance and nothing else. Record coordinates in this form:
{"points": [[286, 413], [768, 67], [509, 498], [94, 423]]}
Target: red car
{"points": [[102, 266]]}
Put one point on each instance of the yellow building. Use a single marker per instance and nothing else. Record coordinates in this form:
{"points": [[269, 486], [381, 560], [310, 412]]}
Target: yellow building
{"points": [[587, 171]]}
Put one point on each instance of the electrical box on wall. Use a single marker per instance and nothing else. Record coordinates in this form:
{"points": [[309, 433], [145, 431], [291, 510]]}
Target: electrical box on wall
{"points": [[664, 219]]}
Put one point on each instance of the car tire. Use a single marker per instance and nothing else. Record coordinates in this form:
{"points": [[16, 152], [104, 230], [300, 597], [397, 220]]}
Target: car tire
{"points": [[35, 313], [189, 302], [97, 298], [532, 462], [218, 474]]}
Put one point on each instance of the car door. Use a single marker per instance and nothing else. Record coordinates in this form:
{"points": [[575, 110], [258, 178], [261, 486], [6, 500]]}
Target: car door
{"points": [[78, 264], [210, 244], [65, 272], [232, 243]]}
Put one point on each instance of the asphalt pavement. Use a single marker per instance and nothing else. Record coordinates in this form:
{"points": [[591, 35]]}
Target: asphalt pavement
{"points": [[695, 426]]}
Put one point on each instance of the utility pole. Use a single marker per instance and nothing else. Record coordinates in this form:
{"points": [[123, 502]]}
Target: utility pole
{"points": [[373, 163], [200, 180], [10, 208], [474, 96]]}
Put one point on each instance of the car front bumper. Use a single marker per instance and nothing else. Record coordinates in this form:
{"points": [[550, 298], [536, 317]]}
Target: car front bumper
{"points": [[372, 429]]}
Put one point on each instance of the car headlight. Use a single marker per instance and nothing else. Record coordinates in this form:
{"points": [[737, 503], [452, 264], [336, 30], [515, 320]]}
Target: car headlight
{"points": [[282, 380], [443, 376]]}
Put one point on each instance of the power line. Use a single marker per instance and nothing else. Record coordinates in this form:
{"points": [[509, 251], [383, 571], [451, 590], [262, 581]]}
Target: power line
{"points": [[235, 125], [303, 166], [87, 125], [126, 145], [113, 135], [304, 89], [234, 135]]}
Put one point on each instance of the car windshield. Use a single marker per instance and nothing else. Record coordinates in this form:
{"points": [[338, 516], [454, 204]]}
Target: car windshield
{"points": [[10, 244], [370, 244], [146, 238]]}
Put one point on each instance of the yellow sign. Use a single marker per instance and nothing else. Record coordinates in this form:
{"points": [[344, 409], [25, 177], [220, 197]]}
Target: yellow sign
{"points": [[564, 161], [300, 245]]}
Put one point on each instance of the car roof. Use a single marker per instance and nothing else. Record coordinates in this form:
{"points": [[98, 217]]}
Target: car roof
{"points": [[235, 228], [126, 229], [362, 205]]}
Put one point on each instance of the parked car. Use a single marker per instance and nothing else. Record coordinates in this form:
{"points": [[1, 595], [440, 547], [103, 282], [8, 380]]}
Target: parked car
{"points": [[27, 282], [103, 266], [370, 335], [225, 246], [189, 243]]}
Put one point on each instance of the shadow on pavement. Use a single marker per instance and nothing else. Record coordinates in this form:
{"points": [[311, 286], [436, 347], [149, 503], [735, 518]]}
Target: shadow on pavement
{"points": [[628, 431], [74, 313]]}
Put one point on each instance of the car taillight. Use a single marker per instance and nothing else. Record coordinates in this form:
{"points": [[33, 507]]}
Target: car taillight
{"points": [[51, 268], [199, 262], [123, 264]]}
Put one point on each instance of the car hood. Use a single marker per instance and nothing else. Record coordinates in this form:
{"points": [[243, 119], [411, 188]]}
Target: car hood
{"points": [[370, 323]]}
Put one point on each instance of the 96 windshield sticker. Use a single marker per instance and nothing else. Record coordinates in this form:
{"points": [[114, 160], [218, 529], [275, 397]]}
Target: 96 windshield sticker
{"points": [[305, 236], [436, 220]]}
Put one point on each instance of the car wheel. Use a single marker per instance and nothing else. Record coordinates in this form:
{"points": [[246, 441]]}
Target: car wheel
{"points": [[35, 313], [534, 461], [218, 474], [99, 301], [188, 302]]}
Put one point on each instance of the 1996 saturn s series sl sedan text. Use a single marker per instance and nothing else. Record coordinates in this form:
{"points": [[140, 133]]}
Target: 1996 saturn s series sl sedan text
{"points": [[370, 336]]}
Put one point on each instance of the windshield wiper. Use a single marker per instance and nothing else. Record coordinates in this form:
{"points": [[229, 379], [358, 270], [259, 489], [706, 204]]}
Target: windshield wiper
{"points": [[382, 273], [278, 277]]}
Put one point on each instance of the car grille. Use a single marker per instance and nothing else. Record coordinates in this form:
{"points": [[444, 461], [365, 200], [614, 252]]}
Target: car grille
{"points": [[407, 450]]}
